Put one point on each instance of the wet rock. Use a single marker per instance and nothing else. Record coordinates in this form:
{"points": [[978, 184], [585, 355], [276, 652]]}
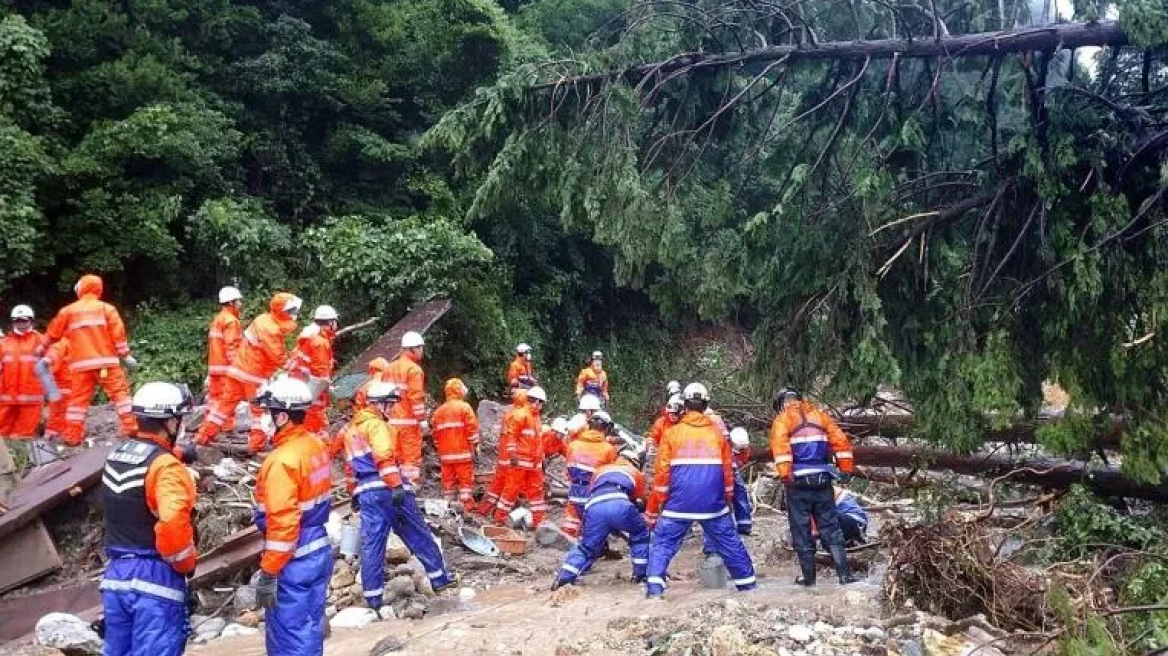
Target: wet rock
{"points": [[69, 633], [396, 551], [235, 630], [342, 578], [387, 645], [250, 619], [353, 618], [823, 627], [855, 598], [245, 599], [386, 613], [399, 586], [801, 633], [208, 628], [874, 634], [550, 537], [907, 647], [414, 611], [330, 612], [421, 580], [405, 569], [727, 640], [564, 595], [356, 591], [466, 594]]}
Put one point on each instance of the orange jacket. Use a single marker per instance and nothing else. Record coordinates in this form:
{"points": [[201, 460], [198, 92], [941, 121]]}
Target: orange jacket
{"points": [[371, 450], [314, 353], [223, 338], [590, 380], [521, 434], [803, 440], [19, 384], [519, 370], [262, 352], [405, 372], [507, 438], [619, 472], [94, 329], [553, 444], [657, 431], [456, 428], [376, 370], [58, 357], [704, 463], [293, 489], [589, 451], [170, 495]]}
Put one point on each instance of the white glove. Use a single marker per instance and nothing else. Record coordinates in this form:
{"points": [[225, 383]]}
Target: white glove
{"points": [[425, 427], [194, 475]]}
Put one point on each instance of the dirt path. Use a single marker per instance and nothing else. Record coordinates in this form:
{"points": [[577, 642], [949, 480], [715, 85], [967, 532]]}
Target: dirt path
{"points": [[608, 614]]}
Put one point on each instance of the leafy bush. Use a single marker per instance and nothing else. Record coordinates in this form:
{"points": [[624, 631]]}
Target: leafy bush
{"points": [[170, 344], [1085, 525], [241, 241]]}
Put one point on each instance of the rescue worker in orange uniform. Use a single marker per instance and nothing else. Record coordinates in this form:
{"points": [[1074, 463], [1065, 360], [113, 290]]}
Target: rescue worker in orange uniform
{"points": [[223, 338], [694, 482], [376, 370], [525, 457], [555, 439], [804, 441], [593, 379], [21, 391], [409, 416], [292, 504], [56, 363], [148, 497], [312, 362], [587, 406], [261, 354], [670, 415], [384, 500], [502, 458], [456, 437], [588, 452], [97, 339], [521, 373]]}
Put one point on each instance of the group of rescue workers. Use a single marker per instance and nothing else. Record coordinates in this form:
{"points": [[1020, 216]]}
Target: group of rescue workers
{"points": [[690, 460]]}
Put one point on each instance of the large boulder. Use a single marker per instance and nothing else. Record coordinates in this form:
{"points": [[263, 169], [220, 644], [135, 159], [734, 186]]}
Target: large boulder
{"points": [[68, 633], [551, 537]]}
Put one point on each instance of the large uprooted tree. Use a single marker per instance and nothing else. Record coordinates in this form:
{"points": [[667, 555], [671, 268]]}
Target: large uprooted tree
{"points": [[959, 199]]}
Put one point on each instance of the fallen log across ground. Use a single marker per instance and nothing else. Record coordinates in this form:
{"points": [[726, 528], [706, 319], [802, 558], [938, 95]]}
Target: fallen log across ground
{"points": [[901, 425], [1049, 473]]}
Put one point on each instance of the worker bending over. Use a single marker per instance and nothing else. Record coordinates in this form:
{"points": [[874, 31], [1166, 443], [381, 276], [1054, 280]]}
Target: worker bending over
{"points": [[147, 498], [611, 509], [456, 437], [804, 440], [587, 453], [694, 481]]}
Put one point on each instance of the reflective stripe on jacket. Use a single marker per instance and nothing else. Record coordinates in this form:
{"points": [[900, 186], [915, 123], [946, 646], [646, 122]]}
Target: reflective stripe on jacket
{"points": [[94, 329], [456, 431], [223, 338], [293, 498], [18, 357], [693, 477], [804, 439], [371, 452]]}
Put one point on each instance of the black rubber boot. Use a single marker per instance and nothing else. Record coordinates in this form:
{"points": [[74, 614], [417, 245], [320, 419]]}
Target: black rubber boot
{"points": [[807, 567], [839, 555]]}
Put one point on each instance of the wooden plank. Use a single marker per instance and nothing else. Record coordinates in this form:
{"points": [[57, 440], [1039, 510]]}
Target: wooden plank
{"points": [[27, 555], [419, 319], [48, 486], [19, 615]]}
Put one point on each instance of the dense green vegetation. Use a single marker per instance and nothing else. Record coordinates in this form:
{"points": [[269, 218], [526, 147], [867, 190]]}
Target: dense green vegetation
{"points": [[960, 228]]}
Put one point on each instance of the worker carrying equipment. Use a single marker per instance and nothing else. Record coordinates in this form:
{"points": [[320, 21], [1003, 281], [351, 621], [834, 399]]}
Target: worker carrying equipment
{"points": [[456, 438], [148, 497], [385, 500], [694, 482], [523, 434], [610, 510], [312, 361], [410, 414], [587, 453], [261, 354], [593, 379], [521, 372], [804, 440], [292, 497], [22, 386], [97, 340], [224, 336]]}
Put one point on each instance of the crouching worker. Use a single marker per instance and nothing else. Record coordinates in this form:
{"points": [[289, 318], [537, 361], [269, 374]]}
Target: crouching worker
{"points": [[611, 509], [383, 497], [148, 496], [292, 505]]}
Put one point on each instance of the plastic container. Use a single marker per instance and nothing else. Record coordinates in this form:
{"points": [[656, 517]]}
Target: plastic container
{"points": [[712, 572], [350, 539], [507, 540]]}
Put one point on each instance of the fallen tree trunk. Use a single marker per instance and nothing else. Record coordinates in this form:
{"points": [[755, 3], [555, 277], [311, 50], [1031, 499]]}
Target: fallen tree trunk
{"points": [[1049, 473], [1023, 432]]}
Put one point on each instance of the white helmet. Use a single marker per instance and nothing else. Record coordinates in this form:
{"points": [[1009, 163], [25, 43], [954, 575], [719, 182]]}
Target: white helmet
{"points": [[739, 438], [597, 355], [286, 393], [293, 305], [675, 405], [311, 330], [21, 312], [600, 421], [523, 348], [673, 388], [324, 313], [588, 402], [381, 391], [412, 340], [560, 425], [228, 294], [696, 392], [159, 400], [537, 394]]}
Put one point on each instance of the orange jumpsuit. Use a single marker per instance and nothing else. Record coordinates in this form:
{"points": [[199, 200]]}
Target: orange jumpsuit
{"points": [[260, 355], [21, 394], [525, 477], [520, 373], [97, 339], [593, 381], [502, 459], [586, 454], [313, 358], [553, 444], [409, 413], [57, 356], [456, 436], [223, 338]]}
